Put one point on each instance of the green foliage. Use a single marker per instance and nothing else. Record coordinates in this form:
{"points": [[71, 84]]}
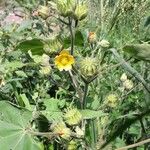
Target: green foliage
{"points": [[139, 51], [79, 40], [15, 129], [34, 45], [45, 108]]}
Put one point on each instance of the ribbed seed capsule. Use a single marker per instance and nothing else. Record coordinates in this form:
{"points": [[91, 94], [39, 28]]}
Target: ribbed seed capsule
{"points": [[66, 7], [52, 46], [80, 12], [111, 100], [72, 145], [45, 70], [43, 11], [72, 116], [88, 66], [61, 130]]}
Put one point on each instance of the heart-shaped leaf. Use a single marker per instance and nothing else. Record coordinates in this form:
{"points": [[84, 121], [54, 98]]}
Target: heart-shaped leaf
{"points": [[35, 46], [14, 125]]}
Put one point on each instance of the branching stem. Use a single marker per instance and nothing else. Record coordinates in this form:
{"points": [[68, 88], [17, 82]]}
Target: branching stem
{"points": [[134, 145]]}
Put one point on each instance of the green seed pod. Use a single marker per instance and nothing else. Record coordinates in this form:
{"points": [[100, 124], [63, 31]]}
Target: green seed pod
{"points": [[80, 12], [88, 66], [45, 60], [111, 100], [123, 77], [61, 129], [72, 145], [43, 11], [104, 43], [128, 84], [66, 7], [72, 116], [45, 70], [52, 46]]}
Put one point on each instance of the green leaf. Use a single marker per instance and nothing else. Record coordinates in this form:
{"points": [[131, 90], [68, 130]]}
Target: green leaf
{"points": [[52, 115], [21, 73], [51, 104], [34, 45], [139, 51], [12, 66], [25, 101], [52, 111], [14, 123], [90, 114], [26, 24], [119, 143], [79, 40], [122, 125]]}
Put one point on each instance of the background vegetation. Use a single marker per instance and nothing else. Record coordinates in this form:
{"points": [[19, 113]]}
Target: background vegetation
{"points": [[103, 102]]}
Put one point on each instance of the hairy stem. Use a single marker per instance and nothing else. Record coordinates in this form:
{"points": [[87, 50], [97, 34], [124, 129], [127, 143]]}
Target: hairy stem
{"points": [[76, 85], [72, 36], [130, 69], [85, 95], [93, 133], [134, 145]]}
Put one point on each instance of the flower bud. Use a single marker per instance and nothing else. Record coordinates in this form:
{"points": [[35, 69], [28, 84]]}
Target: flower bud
{"points": [[72, 145], [66, 7], [43, 11], [88, 66], [123, 77], [111, 100], [128, 84], [104, 43], [61, 130], [2, 82], [72, 116], [104, 120], [45, 70], [45, 60], [92, 37], [80, 12], [52, 46], [79, 132]]}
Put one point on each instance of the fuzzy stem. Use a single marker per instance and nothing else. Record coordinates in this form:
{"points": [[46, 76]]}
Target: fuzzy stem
{"points": [[85, 95], [130, 69], [102, 14], [72, 36], [93, 133], [76, 85], [134, 145]]}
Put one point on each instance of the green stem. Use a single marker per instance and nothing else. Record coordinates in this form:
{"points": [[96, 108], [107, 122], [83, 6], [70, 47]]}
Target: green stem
{"points": [[76, 85], [85, 95], [93, 133], [72, 36], [130, 69]]}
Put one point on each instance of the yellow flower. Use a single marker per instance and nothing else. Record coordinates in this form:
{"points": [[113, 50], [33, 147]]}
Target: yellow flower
{"points": [[64, 61]]}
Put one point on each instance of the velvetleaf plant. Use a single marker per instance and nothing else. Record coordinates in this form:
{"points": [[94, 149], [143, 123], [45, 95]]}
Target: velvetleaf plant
{"points": [[61, 84]]}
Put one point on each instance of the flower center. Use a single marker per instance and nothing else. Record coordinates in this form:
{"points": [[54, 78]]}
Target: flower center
{"points": [[64, 60]]}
